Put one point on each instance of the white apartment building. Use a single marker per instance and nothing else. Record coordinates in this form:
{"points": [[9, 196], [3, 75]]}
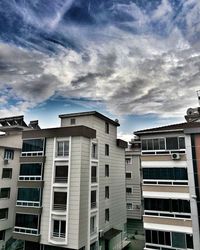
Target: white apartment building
{"points": [[10, 149], [71, 188], [168, 158]]}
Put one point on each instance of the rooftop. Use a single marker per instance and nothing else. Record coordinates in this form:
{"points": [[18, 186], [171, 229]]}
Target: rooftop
{"points": [[169, 128], [95, 113]]}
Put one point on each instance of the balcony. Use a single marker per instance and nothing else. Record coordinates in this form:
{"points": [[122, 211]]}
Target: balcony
{"points": [[58, 235], [26, 230], [34, 153], [60, 207], [28, 203]]}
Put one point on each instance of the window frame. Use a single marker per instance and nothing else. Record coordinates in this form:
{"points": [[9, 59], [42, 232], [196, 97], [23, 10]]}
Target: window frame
{"points": [[9, 154], [107, 215], [128, 193], [129, 172], [130, 203], [107, 150], [107, 170], [10, 173], [63, 141]]}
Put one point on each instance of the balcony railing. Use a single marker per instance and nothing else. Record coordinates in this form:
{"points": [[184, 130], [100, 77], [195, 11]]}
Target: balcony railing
{"points": [[93, 205], [165, 182], [167, 214], [61, 180], [94, 179], [61, 207], [33, 153], [58, 235], [28, 203], [30, 178], [26, 230]]}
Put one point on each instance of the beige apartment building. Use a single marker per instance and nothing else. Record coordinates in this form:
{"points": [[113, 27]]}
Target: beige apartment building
{"points": [[71, 187], [170, 188]]}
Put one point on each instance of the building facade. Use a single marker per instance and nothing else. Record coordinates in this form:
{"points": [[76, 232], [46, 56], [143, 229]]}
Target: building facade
{"points": [[10, 149], [170, 186], [71, 188]]}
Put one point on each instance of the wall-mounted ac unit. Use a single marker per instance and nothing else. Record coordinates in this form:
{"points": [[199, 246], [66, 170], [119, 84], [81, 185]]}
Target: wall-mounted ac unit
{"points": [[175, 156]]}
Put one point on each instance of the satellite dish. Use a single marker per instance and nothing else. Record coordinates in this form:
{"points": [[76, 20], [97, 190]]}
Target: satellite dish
{"points": [[190, 111]]}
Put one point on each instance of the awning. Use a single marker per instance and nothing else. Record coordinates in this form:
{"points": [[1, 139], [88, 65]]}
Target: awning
{"points": [[111, 233]]}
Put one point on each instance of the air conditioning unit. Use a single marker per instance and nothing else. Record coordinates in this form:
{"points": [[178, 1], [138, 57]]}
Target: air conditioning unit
{"points": [[175, 156], [101, 233], [5, 161]]}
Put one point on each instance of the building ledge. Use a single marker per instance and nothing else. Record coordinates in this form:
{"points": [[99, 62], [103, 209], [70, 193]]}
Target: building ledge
{"points": [[27, 237]]}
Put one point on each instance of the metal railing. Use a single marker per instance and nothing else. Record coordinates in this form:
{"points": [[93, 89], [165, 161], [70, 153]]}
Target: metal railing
{"points": [[28, 203], [165, 182], [167, 214], [94, 180], [93, 205], [26, 230], [33, 153], [61, 207], [61, 179], [58, 235], [30, 178]]}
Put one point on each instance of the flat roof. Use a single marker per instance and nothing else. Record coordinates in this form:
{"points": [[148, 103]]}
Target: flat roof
{"points": [[95, 113], [169, 128]]}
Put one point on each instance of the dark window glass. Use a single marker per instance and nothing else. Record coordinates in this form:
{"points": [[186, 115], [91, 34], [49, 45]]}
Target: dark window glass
{"points": [[128, 175], [94, 174], [107, 127], [167, 239], [94, 151], [148, 235], [189, 240], [128, 190], [28, 194], [107, 192], [93, 196], [3, 213], [5, 193], [26, 220], [107, 170], [7, 173], [60, 198], [106, 149], [33, 169], [172, 143], [32, 145], [165, 173], [178, 240], [56, 226], [156, 144], [9, 154], [144, 144], [63, 227], [61, 174], [107, 214], [162, 143], [73, 121], [181, 142], [2, 235], [161, 238], [150, 144], [155, 237]]}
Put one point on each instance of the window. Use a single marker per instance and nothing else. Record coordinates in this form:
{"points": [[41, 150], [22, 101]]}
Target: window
{"points": [[94, 174], [94, 151], [3, 213], [8, 154], [2, 235], [59, 228], [61, 174], [60, 201], [93, 199], [178, 240], [62, 148], [129, 190], [26, 220], [92, 224], [107, 215], [172, 143], [106, 170], [165, 173], [107, 192], [31, 169], [153, 144], [4, 193], [128, 175], [73, 121], [128, 160], [129, 206], [7, 173], [107, 127], [28, 194], [158, 237], [93, 246], [33, 145], [107, 149]]}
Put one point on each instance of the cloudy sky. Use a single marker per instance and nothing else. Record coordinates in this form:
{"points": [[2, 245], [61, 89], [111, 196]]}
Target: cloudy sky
{"points": [[135, 60]]}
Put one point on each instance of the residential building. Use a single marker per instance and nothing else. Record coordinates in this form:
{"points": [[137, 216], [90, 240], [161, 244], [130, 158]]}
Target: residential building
{"points": [[133, 188], [10, 149], [170, 187], [71, 188]]}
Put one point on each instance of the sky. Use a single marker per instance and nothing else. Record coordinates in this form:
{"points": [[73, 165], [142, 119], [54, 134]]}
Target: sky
{"points": [[134, 60]]}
